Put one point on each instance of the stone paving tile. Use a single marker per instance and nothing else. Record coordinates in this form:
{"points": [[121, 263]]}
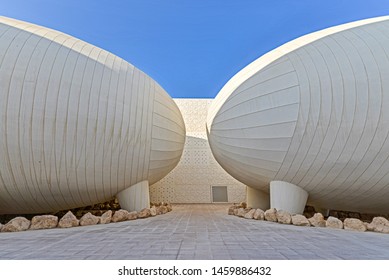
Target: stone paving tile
{"points": [[185, 257], [194, 231]]}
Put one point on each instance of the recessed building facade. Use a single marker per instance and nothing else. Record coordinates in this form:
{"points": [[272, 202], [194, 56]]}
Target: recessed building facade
{"points": [[197, 178], [78, 124], [310, 121]]}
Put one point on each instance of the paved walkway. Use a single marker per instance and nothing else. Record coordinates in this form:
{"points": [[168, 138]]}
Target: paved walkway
{"points": [[194, 232]]}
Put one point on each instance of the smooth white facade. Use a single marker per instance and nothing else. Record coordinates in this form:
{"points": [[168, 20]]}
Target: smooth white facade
{"points": [[135, 198], [192, 179], [314, 113], [288, 197], [78, 124]]}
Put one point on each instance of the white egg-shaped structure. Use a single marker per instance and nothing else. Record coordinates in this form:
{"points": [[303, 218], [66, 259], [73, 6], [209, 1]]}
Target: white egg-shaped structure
{"points": [[312, 117], [78, 125]]}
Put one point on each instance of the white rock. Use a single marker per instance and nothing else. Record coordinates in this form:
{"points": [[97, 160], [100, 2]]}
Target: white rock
{"points": [[89, 219], [317, 220], [259, 214], [133, 215], [144, 213], [241, 212], [243, 204], [44, 222], [106, 217], [120, 216], [16, 224], [271, 215], [384, 229], [68, 220], [354, 224], [231, 209], [283, 217], [153, 211], [162, 210], [249, 214], [300, 220], [333, 222], [379, 224]]}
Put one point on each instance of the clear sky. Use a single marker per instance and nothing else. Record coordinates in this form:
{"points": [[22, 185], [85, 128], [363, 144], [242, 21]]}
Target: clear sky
{"points": [[190, 47]]}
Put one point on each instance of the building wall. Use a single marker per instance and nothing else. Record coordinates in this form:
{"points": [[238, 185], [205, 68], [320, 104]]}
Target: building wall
{"points": [[313, 113], [78, 124], [191, 180]]}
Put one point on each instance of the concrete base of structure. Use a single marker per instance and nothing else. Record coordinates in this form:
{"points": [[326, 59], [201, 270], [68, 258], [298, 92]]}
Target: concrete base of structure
{"points": [[257, 199], [135, 198], [288, 197]]}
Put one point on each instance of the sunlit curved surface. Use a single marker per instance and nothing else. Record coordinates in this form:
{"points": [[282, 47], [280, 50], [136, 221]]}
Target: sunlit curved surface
{"points": [[78, 124], [312, 112]]}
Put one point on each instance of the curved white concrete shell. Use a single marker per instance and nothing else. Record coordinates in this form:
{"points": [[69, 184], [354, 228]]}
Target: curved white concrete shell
{"points": [[77, 124], [314, 113]]}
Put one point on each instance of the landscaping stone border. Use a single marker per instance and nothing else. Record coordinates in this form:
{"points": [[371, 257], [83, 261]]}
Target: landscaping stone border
{"points": [[70, 220], [378, 224]]}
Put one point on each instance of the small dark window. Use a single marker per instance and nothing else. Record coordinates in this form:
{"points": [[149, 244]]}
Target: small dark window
{"points": [[219, 194]]}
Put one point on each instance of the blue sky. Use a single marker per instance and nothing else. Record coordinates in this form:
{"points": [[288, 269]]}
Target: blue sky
{"points": [[190, 47]]}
